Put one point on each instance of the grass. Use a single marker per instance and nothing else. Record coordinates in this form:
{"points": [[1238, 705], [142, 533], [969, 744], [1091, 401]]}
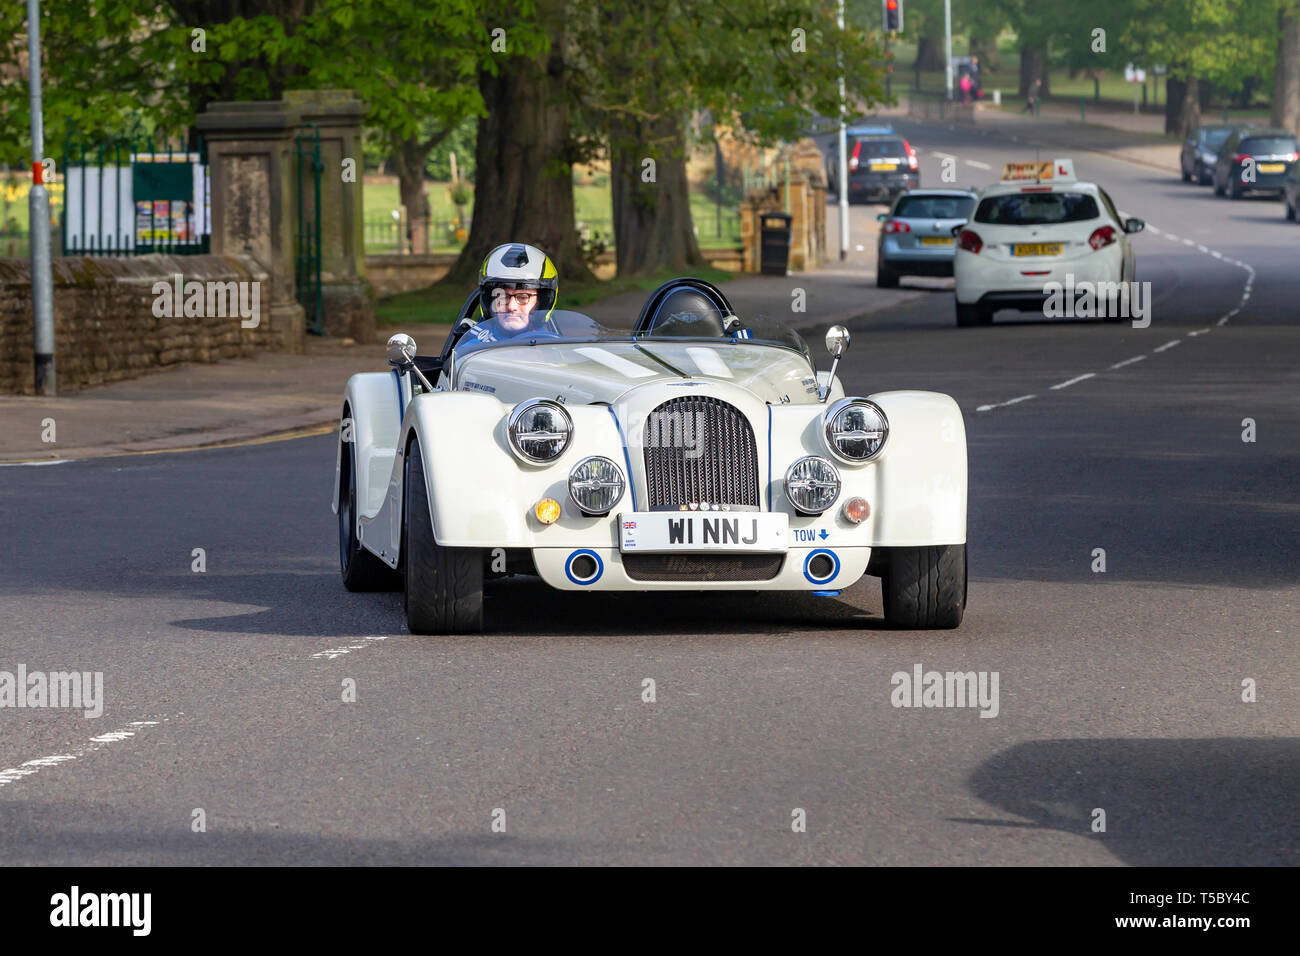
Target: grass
{"points": [[592, 208], [438, 303]]}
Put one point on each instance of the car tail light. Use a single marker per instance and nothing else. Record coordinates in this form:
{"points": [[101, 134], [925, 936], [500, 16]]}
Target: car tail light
{"points": [[893, 225], [911, 155], [853, 160], [970, 241], [1240, 158], [1102, 237], [1291, 157]]}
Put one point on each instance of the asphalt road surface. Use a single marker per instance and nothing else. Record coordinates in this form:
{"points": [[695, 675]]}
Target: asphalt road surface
{"points": [[1120, 691]]}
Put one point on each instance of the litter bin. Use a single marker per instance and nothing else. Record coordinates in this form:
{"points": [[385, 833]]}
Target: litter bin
{"points": [[774, 243]]}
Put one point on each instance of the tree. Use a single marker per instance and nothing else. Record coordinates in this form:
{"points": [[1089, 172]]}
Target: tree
{"points": [[523, 188], [1286, 83]]}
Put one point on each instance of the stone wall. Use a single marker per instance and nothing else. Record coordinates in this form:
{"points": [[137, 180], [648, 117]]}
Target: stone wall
{"points": [[105, 328]]}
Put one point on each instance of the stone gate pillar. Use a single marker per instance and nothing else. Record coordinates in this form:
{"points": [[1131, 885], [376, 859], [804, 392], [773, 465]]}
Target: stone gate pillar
{"points": [[255, 181], [349, 300], [251, 162]]}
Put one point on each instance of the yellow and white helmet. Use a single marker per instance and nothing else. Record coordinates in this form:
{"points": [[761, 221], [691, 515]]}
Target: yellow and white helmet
{"points": [[518, 266]]}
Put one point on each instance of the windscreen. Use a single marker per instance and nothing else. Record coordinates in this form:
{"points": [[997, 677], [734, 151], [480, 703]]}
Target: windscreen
{"points": [[1268, 145], [1036, 209], [934, 207], [1214, 138], [879, 147]]}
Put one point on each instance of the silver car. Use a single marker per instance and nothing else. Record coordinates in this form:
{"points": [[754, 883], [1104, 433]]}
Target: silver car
{"points": [[916, 236]]}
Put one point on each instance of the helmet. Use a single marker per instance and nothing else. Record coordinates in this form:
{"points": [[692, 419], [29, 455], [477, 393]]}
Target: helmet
{"points": [[519, 266]]}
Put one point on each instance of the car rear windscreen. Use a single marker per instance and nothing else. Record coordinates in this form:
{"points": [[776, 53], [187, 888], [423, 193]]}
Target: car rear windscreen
{"points": [[934, 207], [1268, 145], [1036, 209], [1214, 137], [879, 147]]}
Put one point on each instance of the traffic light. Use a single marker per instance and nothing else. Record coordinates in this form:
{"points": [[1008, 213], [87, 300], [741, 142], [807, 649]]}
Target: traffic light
{"points": [[891, 14]]}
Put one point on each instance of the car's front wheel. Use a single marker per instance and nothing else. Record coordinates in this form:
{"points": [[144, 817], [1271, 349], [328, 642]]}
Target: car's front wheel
{"points": [[444, 586], [924, 587], [362, 571]]}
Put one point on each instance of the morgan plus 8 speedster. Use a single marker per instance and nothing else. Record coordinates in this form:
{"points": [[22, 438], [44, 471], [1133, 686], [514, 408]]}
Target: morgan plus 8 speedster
{"points": [[692, 452]]}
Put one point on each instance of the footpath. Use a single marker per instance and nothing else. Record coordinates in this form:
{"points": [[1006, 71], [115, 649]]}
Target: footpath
{"points": [[271, 395]]}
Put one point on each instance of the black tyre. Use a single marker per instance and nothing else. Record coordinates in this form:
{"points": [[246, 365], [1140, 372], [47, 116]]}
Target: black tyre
{"points": [[968, 315], [1218, 190], [444, 586], [1234, 190], [362, 571], [1290, 212], [925, 587], [886, 278], [1187, 177]]}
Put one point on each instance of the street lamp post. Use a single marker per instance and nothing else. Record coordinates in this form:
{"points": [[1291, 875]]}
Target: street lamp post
{"points": [[844, 156], [38, 206]]}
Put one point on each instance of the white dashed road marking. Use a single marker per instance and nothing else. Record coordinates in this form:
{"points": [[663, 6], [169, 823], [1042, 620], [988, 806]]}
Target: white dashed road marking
{"points": [[1165, 347], [1022, 398], [1074, 381], [977, 164], [99, 742], [358, 645], [1136, 358]]}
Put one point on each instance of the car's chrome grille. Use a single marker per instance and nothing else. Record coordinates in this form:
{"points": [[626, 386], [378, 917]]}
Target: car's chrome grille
{"points": [[700, 449]]}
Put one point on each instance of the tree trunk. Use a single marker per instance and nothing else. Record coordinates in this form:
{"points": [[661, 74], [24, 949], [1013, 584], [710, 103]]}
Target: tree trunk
{"points": [[1033, 63], [523, 185], [986, 48], [409, 156], [929, 54], [1286, 82], [1182, 104], [653, 230]]}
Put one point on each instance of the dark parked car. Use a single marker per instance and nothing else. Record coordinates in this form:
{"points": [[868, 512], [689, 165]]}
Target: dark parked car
{"points": [[1254, 159], [1291, 193], [881, 165], [916, 235], [1200, 150]]}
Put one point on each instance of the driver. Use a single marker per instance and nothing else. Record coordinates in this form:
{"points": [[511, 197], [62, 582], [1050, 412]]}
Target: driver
{"points": [[517, 288]]}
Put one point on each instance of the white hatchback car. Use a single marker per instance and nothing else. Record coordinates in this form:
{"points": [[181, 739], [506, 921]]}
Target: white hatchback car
{"points": [[1038, 226]]}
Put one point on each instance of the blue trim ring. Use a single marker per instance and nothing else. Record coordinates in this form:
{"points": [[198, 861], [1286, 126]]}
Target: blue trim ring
{"points": [[835, 569], [627, 460], [568, 567]]}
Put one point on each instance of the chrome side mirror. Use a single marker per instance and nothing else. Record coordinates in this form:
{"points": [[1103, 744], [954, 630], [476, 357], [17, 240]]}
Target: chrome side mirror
{"points": [[837, 343], [837, 340], [401, 351], [401, 356]]}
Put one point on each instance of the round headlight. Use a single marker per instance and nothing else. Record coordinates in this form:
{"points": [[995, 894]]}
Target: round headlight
{"points": [[856, 430], [540, 430], [595, 485], [813, 484]]}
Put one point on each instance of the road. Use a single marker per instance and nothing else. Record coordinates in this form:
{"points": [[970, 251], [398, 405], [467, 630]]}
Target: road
{"points": [[1120, 690]]}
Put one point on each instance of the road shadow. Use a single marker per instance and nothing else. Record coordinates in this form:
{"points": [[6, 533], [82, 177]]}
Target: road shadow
{"points": [[1228, 801]]}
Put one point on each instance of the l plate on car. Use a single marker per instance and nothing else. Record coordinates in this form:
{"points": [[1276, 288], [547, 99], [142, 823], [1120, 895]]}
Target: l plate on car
{"points": [[686, 531]]}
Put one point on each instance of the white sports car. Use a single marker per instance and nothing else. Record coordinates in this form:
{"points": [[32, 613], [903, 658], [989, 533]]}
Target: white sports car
{"points": [[688, 453]]}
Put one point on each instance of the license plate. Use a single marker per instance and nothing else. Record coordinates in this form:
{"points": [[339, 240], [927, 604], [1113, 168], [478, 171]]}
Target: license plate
{"points": [[648, 531], [890, 167], [936, 241], [1272, 167], [1036, 249]]}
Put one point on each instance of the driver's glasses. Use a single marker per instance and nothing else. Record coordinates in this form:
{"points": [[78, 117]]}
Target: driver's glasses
{"points": [[520, 298]]}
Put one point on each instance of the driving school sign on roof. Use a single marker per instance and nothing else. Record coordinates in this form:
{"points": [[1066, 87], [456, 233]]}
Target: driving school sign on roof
{"points": [[1055, 170]]}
